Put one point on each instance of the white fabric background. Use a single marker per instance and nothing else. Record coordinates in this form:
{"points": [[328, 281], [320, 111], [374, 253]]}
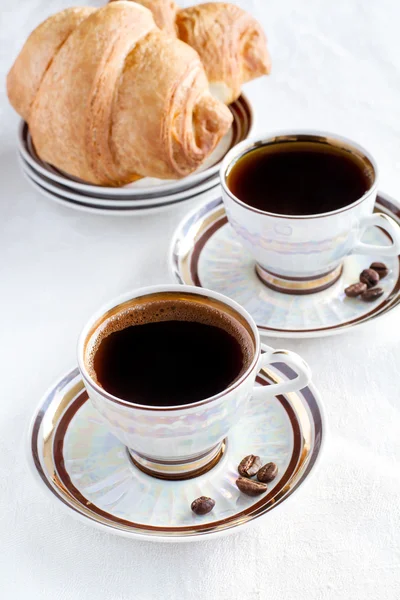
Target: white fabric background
{"points": [[336, 66]]}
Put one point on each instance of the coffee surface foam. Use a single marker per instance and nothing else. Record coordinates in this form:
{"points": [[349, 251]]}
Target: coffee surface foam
{"points": [[155, 311]]}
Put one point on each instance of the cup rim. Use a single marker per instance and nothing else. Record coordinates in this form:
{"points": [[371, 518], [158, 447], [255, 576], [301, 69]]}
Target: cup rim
{"points": [[251, 143], [148, 290]]}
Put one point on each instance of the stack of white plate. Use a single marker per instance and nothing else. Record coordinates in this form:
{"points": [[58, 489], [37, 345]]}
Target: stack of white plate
{"points": [[141, 196]]}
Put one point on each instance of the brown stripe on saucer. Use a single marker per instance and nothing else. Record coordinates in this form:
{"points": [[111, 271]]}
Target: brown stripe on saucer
{"points": [[199, 245], [309, 451], [390, 302], [246, 514]]}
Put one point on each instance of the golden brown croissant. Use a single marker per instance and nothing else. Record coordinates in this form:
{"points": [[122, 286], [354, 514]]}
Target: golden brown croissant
{"points": [[230, 42], [119, 98], [164, 13], [24, 79]]}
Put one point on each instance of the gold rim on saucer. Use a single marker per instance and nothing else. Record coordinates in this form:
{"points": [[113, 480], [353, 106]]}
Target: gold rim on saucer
{"points": [[79, 463], [207, 253]]}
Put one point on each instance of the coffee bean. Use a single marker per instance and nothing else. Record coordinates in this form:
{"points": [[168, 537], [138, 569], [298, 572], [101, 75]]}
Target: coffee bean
{"points": [[372, 294], [355, 290], [249, 465], [250, 487], [202, 505], [267, 473], [370, 277], [380, 268]]}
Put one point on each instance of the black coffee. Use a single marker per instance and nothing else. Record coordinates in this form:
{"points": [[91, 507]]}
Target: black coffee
{"points": [[299, 178], [168, 353]]}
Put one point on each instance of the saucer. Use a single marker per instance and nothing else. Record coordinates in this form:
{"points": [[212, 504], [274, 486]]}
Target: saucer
{"points": [[89, 472], [115, 203], [206, 252], [130, 209]]}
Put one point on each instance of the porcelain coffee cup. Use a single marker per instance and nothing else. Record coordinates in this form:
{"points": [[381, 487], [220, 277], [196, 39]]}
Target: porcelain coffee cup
{"points": [[178, 442], [304, 254]]}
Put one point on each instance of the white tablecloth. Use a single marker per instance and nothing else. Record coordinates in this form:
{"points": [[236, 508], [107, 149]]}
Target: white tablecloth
{"points": [[336, 66]]}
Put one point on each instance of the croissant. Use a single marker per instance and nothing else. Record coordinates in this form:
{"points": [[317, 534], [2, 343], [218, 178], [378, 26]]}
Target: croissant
{"points": [[109, 97], [164, 13], [231, 43]]}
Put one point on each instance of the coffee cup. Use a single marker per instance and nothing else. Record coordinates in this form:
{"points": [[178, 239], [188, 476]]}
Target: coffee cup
{"points": [[303, 253], [178, 441]]}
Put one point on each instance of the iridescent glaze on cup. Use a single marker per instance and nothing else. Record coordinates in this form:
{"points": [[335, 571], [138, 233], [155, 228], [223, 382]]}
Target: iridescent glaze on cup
{"points": [[303, 254], [179, 442]]}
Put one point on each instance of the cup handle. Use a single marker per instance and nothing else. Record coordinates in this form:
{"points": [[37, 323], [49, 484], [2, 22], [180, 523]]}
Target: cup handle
{"points": [[388, 225], [291, 359]]}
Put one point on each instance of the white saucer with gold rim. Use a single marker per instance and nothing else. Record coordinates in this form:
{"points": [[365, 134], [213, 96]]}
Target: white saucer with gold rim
{"points": [[206, 252], [79, 463]]}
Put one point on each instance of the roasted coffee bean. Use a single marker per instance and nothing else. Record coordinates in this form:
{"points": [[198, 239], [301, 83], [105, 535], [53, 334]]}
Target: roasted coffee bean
{"points": [[251, 487], [249, 465], [372, 294], [355, 290], [380, 268], [370, 277], [202, 505], [267, 473]]}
